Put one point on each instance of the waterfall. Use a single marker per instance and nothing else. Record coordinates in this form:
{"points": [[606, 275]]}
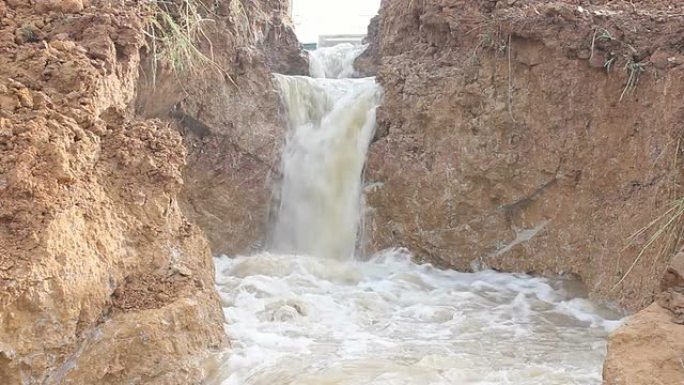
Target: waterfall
{"points": [[331, 122], [305, 313], [335, 62]]}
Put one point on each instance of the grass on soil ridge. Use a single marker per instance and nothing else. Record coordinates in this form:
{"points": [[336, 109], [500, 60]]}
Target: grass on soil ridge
{"points": [[174, 28]]}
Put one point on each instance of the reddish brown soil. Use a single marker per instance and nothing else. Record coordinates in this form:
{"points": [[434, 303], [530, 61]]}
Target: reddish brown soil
{"points": [[233, 129], [500, 120], [103, 280], [539, 136]]}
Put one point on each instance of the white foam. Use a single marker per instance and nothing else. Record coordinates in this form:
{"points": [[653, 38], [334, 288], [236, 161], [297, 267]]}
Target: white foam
{"points": [[305, 320], [331, 125], [329, 319], [335, 62]]}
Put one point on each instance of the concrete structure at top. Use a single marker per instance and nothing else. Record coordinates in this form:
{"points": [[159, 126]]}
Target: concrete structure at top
{"points": [[331, 40]]}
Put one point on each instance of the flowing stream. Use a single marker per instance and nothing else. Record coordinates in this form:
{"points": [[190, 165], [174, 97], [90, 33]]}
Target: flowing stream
{"points": [[308, 313], [332, 122]]}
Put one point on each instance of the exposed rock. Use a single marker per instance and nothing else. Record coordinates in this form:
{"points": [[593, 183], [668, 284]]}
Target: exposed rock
{"points": [[64, 6], [673, 301], [71, 6], [674, 275], [90, 227], [123, 287], [647, 350], [516, 140], [368, 62]]}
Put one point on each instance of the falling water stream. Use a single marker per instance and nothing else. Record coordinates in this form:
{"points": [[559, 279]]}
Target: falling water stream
{"points": [[308, 313], [333, 122]]}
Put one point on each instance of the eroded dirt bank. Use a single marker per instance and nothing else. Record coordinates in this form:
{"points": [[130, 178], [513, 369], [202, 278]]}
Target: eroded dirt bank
{"points": [[538, 136], [102, 278], [512, 138], [230, 120]]}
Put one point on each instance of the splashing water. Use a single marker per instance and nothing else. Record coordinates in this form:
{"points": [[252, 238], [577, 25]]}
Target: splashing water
{"points": [[309, 321], [332, 123], [309, 314], [335, 62]]}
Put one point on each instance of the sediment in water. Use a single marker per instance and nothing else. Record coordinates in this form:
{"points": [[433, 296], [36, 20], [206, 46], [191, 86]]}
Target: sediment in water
{"points": [[538, 136], [322, 316]]}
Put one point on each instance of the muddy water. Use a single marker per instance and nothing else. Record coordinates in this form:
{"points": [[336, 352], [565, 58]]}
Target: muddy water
{"points": [[309, 313], [306, 320], [331, 123], [335, 62]]}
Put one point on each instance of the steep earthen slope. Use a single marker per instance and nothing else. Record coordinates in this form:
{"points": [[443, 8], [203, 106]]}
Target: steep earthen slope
{"points": [[515, 138], [368, 62], [230, 121], [540, 136], [102, 279]]}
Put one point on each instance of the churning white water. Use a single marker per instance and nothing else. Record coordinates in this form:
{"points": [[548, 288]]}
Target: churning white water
{"points": [[310, 321], [308, 313], [335, 62], [332, 123]]}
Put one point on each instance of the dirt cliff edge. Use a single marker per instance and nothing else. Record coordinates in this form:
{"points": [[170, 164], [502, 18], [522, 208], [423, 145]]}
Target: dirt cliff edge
{"points": [[102, 278], [231, 120], [538, 136]]}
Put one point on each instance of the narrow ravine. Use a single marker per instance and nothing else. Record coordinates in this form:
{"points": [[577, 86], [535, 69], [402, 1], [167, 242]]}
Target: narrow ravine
{"points": [[309, 312]]}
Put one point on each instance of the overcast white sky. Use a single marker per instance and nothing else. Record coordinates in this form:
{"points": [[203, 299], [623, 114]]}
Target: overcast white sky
{"points": [[331, 17]]}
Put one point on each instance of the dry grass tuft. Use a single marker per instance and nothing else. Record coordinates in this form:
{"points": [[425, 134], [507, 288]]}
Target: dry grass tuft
{"points": [[634, 71], [668, 231], [174, 28]]}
